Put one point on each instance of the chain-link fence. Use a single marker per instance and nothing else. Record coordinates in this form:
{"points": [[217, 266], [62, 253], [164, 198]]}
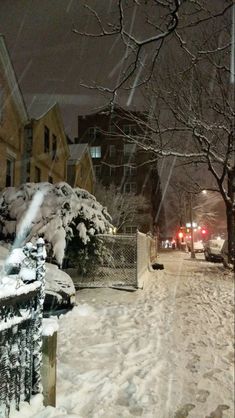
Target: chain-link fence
{"points": [[114, 263], [122, 261]]}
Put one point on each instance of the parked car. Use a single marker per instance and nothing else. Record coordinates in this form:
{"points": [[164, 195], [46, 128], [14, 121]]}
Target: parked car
{"points": [[59, 287], [198, 246], [213, 250]]}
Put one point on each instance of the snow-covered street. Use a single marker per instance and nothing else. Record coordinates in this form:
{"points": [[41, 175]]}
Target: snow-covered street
{"points": [[163, 352]]}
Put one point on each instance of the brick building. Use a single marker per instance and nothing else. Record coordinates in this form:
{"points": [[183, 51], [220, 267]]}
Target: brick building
{"points": [[121, 162]]}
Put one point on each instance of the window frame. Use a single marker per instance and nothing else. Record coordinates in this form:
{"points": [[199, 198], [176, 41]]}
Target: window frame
{"points": [[46, 144], [112, 147], [54, 149], [131, 183], [130, 171], [11, 176], [131, 146], [129, 129], [37, 174], [95, 154]]}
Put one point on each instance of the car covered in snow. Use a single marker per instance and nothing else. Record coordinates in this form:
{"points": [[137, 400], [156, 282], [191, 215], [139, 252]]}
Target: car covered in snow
{"points": [[59, 287], [214, 250], [198, 246]]}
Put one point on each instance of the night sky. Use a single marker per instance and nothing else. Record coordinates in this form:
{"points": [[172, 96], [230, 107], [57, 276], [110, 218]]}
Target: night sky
{"points": [[51, 61]]}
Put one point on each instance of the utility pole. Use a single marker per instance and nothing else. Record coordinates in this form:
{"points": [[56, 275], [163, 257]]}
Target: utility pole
{"points": [[191, 223]]}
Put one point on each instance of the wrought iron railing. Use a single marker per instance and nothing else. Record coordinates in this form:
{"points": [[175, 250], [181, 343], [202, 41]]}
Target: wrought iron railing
{"points": [[21, 316]]}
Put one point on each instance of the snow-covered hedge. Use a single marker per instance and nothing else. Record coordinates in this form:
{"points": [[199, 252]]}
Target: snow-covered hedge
{"points": [[56, 212]]}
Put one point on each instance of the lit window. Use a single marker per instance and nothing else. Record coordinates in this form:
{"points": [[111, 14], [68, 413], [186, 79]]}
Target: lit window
{"points": [[129, 149], [95, 152], [10, 168], [46, 139], [130, 187]]}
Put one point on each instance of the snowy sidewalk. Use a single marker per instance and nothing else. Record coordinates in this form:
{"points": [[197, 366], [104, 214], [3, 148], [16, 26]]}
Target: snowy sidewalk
{"points": [[164, 352]]}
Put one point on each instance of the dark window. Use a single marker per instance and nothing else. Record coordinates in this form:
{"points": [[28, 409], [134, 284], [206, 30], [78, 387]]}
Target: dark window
{"points": [[129, 130], [54, 147], [130, 229], [130, 188], [46, 139], [93, 133], [10, 172], [37, 175], [112, 171], [28, 171], [129, 171], [50, 179], [112, 150], [97, 170], [129, 149]]}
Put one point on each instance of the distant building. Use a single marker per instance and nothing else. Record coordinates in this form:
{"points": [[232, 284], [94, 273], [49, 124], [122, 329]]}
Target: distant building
{"points": [[121, 162], [13, 117], [80, 171]]}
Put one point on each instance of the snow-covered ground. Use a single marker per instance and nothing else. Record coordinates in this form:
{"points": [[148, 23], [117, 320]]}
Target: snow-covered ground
{"points": [[163, 352]]}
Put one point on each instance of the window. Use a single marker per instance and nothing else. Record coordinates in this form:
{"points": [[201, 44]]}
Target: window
{"points": [[112, 171], [129, 171], [93, 133], [46, 139], [130, 229], [54, 147], [1, 103], [10, 168], [129, 149], [28, 168], [95, 152], [37, 175], [130, 187], [129, 130], [112, 150], [97, 170], [50, 179]]}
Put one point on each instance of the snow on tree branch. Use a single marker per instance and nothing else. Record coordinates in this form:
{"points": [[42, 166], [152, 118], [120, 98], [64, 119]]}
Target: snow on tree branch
{"points": [[55, 217]]}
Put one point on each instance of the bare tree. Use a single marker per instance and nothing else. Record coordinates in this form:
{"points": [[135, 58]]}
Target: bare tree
{"points": [[124, 208], [191, 112]]}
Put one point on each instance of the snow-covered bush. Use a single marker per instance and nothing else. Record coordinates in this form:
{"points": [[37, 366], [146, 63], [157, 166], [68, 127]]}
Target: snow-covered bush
{"points": [[56, 212]]}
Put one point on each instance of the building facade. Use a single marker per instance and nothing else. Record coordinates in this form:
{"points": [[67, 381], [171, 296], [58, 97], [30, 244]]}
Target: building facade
{"points": [[13, 117], [46, 151], [80, 171], [121, 162]]}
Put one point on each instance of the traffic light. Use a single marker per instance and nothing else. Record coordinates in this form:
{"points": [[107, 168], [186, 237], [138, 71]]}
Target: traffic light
{"points": [[204, 231]]}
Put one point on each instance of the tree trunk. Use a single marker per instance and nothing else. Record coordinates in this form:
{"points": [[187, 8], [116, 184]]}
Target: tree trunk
{"points": [[230, 213], [231, 235]]}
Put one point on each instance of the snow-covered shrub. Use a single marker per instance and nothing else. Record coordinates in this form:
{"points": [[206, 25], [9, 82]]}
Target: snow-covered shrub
{"points": [[56, 212], [86, 258]]}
